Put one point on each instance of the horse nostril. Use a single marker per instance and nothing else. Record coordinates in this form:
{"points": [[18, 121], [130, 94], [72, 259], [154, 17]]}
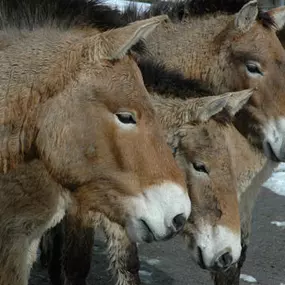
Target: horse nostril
{"points": [[179, 221], [225, 260]]}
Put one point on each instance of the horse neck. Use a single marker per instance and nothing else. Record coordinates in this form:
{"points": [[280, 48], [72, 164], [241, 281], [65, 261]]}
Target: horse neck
{"points": [[253, 169], [251, 166], [35, 66], [189, 45]]}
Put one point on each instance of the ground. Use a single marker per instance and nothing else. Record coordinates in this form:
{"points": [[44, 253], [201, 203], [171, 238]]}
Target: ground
{"points": [[168, 263]]}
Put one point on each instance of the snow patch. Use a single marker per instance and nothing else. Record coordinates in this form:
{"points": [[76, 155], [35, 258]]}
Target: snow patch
{"points": [[248, 278], [278, 224], [276, 183], [145, 273], [145, 277], [123, 4], [153, 261]]}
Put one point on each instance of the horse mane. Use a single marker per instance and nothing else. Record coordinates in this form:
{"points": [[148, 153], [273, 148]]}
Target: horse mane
{"points": [[183, 9], [172, 83], [29, 14], [17, 129], [266, 20], [65, 13]]}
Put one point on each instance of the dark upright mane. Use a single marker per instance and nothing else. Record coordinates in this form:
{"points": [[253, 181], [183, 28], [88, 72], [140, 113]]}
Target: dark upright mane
{"points": [[172, 83], [266, 20], [66, 13], [29, 14], [182, 9]]}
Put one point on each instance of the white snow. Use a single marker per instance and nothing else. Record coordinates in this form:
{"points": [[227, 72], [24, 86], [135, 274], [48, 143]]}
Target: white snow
{"points": [[145, 273], [153, 261], [122, 4], [248, 278], [145, 276], [278, 224], [276, 183]]}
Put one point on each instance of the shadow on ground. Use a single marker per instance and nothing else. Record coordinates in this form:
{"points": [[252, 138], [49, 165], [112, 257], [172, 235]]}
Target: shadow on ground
{"points": [[100, 275]]}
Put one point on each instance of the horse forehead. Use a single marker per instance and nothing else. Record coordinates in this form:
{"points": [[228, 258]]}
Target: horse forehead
{"points": [[262, 42], [127, 65], [270, 47], [116, 85], [205, 139]]}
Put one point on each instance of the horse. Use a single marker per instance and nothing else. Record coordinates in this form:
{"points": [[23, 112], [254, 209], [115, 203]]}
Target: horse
{"points": [[230, 52], [74, 99], [231, 47], [214, 202]]}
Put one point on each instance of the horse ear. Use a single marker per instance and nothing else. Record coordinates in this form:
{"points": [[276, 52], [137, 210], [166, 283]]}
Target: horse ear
{"points": [[278, 15], [246, 17], [175, 112], [207, 107], [238, 100], [119, 41], [232, 102]]}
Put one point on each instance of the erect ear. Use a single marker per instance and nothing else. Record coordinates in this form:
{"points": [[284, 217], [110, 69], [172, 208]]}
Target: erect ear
{"points": [[278, 15], [209, 106], [238, 100], [174, 112], [246, 16], [119, 41]]}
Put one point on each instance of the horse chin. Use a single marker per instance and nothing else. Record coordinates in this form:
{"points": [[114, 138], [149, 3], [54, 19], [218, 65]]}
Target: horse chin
{"points": [[139, 231], [158, 214], [274, 141], [271, 153], [198, 259], [216, 248]]}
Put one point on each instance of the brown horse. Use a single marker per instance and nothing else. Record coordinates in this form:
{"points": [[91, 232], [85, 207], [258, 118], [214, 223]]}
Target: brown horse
{"points": [[74, 98], [79, 236], [216, 200], [232, 52]]}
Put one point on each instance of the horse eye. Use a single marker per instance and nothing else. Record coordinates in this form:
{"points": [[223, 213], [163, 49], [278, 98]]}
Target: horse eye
{"points": [[200, 167], [126, 118], [253, 68]]}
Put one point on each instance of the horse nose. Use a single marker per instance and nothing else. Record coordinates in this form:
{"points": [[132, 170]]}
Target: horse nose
{"points": [[224, 261], [179, 222]]}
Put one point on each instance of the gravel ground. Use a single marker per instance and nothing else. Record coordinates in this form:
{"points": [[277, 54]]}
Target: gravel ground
{"points": [[168, 263]]}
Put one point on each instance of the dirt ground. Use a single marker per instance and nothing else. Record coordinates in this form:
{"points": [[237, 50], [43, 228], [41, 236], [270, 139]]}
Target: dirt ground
{"points": [[169, 263]]}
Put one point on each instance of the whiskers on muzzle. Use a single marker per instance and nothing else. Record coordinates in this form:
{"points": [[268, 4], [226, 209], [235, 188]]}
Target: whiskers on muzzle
{"points": [[159, 213], [215, 248]]}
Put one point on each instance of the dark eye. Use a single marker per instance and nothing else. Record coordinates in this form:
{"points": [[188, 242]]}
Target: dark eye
{"points": [[126, 118], [253, 68], [200, 167]]}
